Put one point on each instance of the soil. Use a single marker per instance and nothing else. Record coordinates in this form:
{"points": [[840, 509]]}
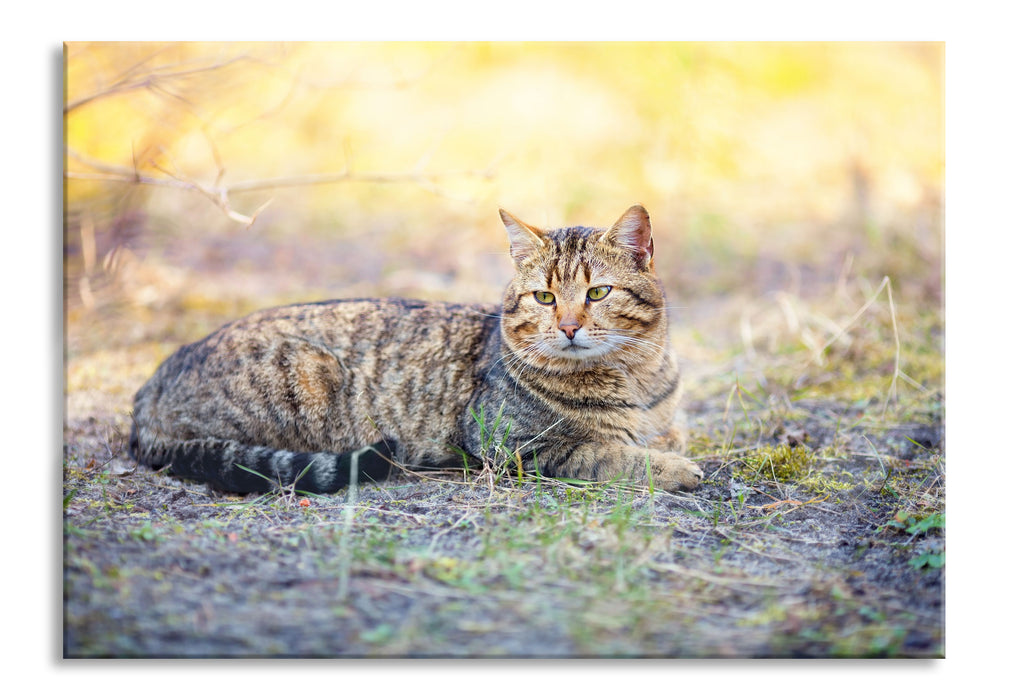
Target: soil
{"points": [[157, 567]]}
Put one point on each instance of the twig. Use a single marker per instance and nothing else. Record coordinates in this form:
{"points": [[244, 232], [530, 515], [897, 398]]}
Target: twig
{"points": [[220, 194], [151, 81], [787, 501], [711, 578]]}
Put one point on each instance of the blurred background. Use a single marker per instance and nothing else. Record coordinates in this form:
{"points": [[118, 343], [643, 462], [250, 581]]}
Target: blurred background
{"points": [[785, 182]]}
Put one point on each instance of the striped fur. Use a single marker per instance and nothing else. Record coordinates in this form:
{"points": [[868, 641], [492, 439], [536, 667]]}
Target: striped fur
{"points": [[576, 361]]}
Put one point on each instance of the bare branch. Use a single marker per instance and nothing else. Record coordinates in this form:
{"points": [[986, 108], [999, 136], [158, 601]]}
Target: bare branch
{"points": [[350, 176], [152, 81], [219, 194]]}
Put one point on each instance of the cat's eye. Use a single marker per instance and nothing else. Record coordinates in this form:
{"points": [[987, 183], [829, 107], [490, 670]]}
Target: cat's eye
{"points": [[597, 293], [544, 297]]}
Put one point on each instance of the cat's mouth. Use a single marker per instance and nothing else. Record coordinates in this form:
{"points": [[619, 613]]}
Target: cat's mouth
{"points": [[575, 350]]}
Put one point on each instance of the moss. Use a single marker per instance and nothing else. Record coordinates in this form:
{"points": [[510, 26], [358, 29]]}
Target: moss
{"points": [[780, 463], [826, 484]]}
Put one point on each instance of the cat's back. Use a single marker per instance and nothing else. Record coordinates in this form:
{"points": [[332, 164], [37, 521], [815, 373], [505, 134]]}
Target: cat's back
{"points": [[323, 376]]}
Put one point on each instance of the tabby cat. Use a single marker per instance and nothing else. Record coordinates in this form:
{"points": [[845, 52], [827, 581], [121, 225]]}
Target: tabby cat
{"points": [[575, 362]]}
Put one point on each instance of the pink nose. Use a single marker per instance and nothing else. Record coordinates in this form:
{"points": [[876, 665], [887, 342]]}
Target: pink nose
{"points": [[569, 329]]}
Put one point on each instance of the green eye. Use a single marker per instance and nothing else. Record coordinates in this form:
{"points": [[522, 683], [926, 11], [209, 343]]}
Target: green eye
{"points": [[544, 297], [597, 293]]}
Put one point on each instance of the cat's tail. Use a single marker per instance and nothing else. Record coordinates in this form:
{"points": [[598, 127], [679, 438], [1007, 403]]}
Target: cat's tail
{"points": [[232, 466]]}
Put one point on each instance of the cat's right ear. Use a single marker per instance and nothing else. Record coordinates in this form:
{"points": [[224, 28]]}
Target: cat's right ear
{"points": [[633, 232], [525, 239]]}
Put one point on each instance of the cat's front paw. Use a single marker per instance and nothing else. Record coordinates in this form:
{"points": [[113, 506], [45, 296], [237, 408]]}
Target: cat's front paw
{"points": [[675, 473]]}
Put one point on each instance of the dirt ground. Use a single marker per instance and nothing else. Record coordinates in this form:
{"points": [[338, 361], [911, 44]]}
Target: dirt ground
{"points": [[157, 567], [817, 532]]}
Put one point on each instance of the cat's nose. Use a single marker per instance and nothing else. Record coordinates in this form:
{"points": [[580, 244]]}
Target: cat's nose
{"points": [[569, 329]]}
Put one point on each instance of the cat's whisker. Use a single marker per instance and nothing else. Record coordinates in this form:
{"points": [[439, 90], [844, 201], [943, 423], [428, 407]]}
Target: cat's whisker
{"points": [[654, 349], [645, 345]]}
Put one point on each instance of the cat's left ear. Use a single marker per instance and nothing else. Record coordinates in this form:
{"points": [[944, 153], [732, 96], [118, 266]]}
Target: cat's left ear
{"points": [[633, 231], [525, 239]]}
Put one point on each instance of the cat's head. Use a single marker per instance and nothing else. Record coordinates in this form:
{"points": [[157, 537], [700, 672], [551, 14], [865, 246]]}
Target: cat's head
{"points": [[584, 295]]}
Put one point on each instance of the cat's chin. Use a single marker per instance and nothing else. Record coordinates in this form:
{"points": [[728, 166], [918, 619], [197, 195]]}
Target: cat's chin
{"points": [[578, 353]]}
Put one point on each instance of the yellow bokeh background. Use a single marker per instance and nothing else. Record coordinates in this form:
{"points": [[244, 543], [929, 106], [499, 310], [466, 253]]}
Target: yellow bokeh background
{"points": [[807, 153]]}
